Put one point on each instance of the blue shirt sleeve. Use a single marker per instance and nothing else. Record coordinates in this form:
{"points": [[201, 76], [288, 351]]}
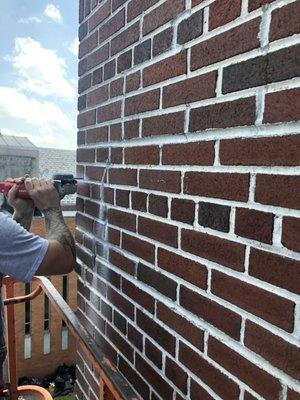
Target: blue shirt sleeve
{"points": [[21, 253]]}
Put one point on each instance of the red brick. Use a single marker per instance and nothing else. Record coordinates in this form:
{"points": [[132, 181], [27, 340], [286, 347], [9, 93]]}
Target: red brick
{"points": [[131, 129], [184, 268], [291, 233], [135, 337], [181, 326], [102, 154], [97, 57], [223, 115], [122, 262], [97, 76], [142, 52], [261, 151], [134, 378], [142, 102], [109, 195], [281, 354], [139, 201], [216, 380], [88, 44], [96, 135], [220, 15], [121, 344], [282, 106], [221, 251], [109, 70], [176, 374], [116, 88], [113, 236], [162, 41], [197, 390], [137, 7], [153, 354], [165, 69], [159, 231], [254, 4], [138, 247], [92, 208], [139, 296], [189, 90], [97, 96], [112, 26], [266, 305], [84, 83], [162, 14], [85, 155], [165, 181], [196, 2], [292, 395], [124, 61], [158, 205], [167, 124], [118, 176], [117, 3], [116, 155], [122, 219], [125, 38], [278, 190], [109, 112], [142, 155], [285, 21], [275, 269], [83, 189], [194, 153], [259, 380], [254, 225], [120, 302], [87, 118], [225, 45], [94, 173], [218, 185], [115, 134], [248, 396], [122, 198], [99, 16], [183, 211], [133, 81]]}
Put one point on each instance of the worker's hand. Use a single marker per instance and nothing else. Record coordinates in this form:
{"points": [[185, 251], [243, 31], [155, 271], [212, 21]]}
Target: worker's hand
{"points": [[43, 193], [22, 207]]}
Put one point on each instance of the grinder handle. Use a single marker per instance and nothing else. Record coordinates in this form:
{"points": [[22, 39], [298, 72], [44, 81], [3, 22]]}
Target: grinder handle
{"points": [[22, 192]]}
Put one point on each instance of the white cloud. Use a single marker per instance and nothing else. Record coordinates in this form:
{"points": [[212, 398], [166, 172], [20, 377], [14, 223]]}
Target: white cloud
{"points": [[29, 20], [74, 47], [40, 70], [53, 12]]}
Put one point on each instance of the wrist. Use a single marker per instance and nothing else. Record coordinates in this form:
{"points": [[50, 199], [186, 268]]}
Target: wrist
{"points": [[19, 213], [51, 210]]}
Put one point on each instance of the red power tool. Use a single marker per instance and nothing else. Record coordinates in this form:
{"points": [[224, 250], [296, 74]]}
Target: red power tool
{"points": [[64, 184]]}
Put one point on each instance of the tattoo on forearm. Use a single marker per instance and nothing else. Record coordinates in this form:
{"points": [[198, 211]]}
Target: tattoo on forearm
{"points": [[56, 229], [24, 220]]}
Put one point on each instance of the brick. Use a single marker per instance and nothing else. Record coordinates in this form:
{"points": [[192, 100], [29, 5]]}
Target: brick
{"points": [[282, 106], [236, 41], [135, 337], [116, 88], [175, 373], [83, 31], [125, 38], [142, 155], [292, 395], [124, 61], [184, 268], [162, 41], [122, 219], [221, 251], [248, 396], [97, 57], [189, 90], [92, 208], [122, 262], [223, 115], [155, 379], [262, 70], [291, 233], [84, 83], [133, 81], [220, 15], [87, 118], [109, 195], [122, 198], [167, 124], [134, 378], [110, 69], [278, 190], [197, 390], [214, 216], [165, 69], [113, 236], [158, 205], [124, 176], [94, 173], [85, 155], [81, 10], [259, 380], [156, 332], [284, 21], [112, 26], [142, 102], [115, 132], [120, 302], [261, 151], [97, 96], [165, 181], [218, 185], [212, 312], [138, 295], [138, 247], [157, 281], [137, 7], [273, 348], [108, 275], [142, 52], [274, 309], [190, 28], [81, 103], [97, 76], [99, 16], [159, 231], [153, 354], [254, 4], [194, 153], [275, 269], [211, 376], [96, 135], [181, 326], [120, 322], [83, 189], [254, 224], [87, 7], [131, 129], [117, 3], [162, 14], [88, 44], [109, 112], [139, 201], [183, 211]]}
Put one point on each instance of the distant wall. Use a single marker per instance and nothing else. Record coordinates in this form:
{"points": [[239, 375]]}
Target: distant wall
{"points": [[190, 243], [14, 166]]}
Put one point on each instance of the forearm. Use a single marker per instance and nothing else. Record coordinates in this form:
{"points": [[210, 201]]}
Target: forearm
{"points": [[23, 219], [56, 229]]}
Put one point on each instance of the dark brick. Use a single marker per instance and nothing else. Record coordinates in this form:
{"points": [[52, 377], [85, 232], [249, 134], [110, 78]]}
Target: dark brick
{"points": [[190, 28], [254, 225], [110, 69], [108, 275], [125, 38], [254, 4], [98, 76], [81, 103], [134, 378], [99, 16], [142, 52], [220, 15], [87, 118], [273, 67], [84, 83], [115, 132], [153, 353], [166, 181], [285, 21], [292, 395], [122, 219], [142, 155], [97, 57], [162, 14], [194, 153], [120, 322], [176, 374], [138, 295], [81, 138], [135, 337], [86, 155], [133, 81], [120, 302], [282, 106], [137, 7], [116, 88], [183, 211], [88, 44], [124, 61], [102, 154], [158, 205], [214, 216], [112, 26], [122, 262], [291, 233], [109, 112], [117, 3], [96, 135], [168, 124], [197, 390], [139, 201], [116, 155], [131, 129], [122, 198], [97, 96], [159, 231], [162, 41], [113, 236], [138, 247], [118, 176], [142, 102], [94, 173]]}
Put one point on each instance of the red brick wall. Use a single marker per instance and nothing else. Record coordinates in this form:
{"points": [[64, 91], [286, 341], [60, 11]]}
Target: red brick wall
{"points": [[188, 214]]}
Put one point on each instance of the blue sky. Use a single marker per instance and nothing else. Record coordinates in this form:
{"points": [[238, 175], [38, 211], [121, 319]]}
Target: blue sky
{"points": [[38, 70]]}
